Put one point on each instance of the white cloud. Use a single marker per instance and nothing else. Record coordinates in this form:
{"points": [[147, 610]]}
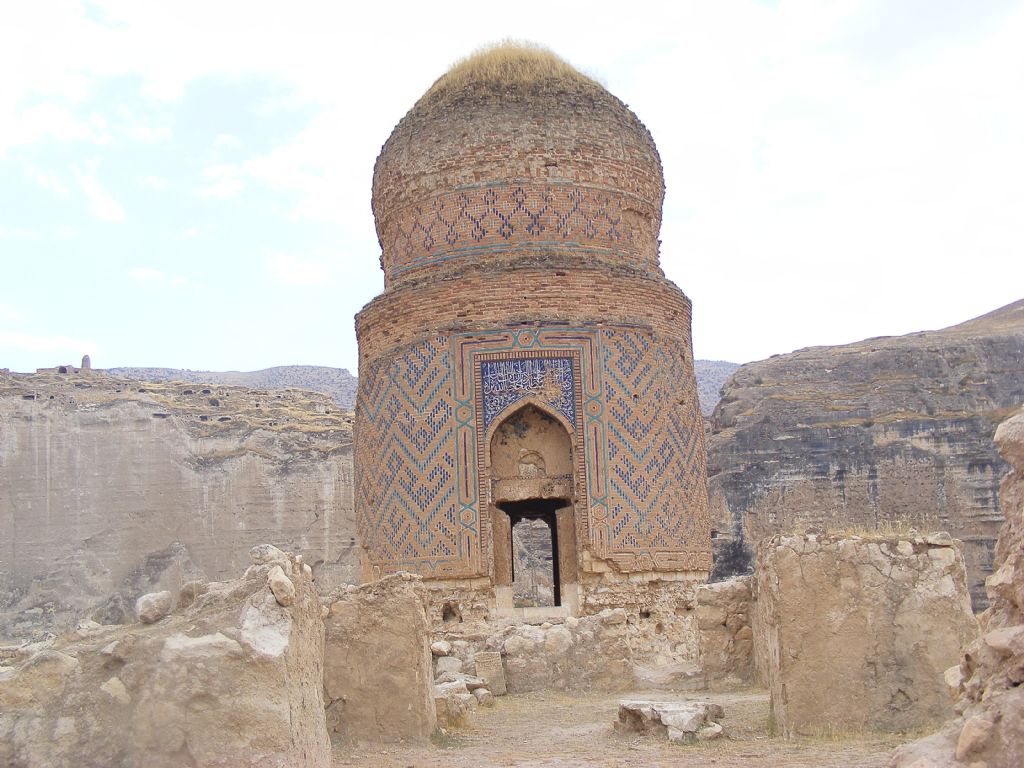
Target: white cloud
{"points": [[139, 128], [9, 314], [225, 182], [17, 233], [146, 274], [66, 345], [227, 141], [159, 277], [817, 149], [102, 205], [49, 180], [154, 182], [191, 232], [296, 270]]}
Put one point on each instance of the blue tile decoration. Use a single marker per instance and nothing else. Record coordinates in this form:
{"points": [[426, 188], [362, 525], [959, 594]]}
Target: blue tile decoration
{"points": [[505, 382]]}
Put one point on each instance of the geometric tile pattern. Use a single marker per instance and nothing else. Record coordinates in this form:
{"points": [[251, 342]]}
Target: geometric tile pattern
{"points": [[656, 470], [405, 478], [497, 217], [423, 428]]}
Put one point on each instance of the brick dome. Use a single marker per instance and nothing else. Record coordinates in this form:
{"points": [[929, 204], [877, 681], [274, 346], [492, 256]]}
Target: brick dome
{"points": [[513, 150]]}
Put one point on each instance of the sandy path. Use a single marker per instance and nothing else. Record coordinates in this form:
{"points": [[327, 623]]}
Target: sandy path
{"points": [[558, 730]]}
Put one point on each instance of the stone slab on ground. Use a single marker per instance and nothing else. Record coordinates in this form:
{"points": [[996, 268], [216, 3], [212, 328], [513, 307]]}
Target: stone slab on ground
{"points": [[675, 720]]}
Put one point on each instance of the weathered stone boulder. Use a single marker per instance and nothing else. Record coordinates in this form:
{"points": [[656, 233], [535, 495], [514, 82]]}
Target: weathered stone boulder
{"points": [[377, 672], [234, 679], [987, 683], [724, 611], [878, 620], [154, 606]]}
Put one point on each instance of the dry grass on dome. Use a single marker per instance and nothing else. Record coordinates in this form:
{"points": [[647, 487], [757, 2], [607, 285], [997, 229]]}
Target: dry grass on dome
{"points": [[509, 64]]}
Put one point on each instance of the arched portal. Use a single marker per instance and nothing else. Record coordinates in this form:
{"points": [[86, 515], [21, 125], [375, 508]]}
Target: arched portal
{"points": [[531, 466]]}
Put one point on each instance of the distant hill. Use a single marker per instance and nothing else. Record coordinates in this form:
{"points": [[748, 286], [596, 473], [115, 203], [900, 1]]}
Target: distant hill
{"points": [[337, 383], [711, 375], [340, 385]]}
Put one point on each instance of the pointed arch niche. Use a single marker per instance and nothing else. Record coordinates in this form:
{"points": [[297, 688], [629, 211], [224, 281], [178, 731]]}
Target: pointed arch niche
{"points": [[531, 468]]}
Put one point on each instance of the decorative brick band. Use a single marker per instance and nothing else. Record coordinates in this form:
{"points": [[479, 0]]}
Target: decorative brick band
{"points": [[495, 218], [480, 300]]}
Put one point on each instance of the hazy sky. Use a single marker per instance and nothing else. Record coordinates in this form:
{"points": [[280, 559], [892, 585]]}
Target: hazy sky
{"points": [[187, 184]]}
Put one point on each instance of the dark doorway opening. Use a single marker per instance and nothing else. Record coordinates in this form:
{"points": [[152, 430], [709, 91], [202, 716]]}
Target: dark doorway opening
{"points": [[536, 580]]}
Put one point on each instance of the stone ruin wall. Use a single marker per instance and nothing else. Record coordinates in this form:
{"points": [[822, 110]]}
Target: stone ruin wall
{"points": [[115, 488], [222, 673], [878, 619]]}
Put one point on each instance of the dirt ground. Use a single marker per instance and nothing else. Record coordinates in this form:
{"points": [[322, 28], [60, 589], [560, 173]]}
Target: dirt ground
{"points": [[559, 730]]}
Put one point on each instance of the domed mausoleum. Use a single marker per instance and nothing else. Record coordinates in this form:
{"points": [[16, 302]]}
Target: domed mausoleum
{"points": [[527, 360]]}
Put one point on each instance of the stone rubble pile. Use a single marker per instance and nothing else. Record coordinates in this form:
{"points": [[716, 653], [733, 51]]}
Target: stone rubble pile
{"points": [[565, 653], [679, 721], [457, 694], [230, 676]]}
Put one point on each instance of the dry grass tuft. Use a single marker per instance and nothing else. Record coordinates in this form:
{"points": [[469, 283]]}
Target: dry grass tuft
{"points": [[509, 64]]}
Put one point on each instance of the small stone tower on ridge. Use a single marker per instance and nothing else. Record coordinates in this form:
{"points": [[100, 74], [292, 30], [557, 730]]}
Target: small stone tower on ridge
{"points": [[527, 358]]}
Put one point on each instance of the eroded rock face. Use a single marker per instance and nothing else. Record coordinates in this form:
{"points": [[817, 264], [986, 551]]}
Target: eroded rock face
{"points": [[987, 683], [877, 620], [889, 430], [378, 684], [234, 679], [114, 489]]}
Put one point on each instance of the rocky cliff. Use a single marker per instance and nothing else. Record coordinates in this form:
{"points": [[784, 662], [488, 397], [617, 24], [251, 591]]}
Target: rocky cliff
{"points": [[890, 432], [336, 383], [111, 488], [711, 375]]}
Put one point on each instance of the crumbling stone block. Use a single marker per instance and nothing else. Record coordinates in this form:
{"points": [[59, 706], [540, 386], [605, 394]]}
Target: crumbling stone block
{"points": [[489, 668], [378, 682], [724, 610], [856, 633]]}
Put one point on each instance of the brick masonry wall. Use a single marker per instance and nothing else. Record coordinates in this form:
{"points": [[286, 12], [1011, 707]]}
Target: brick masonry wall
{"points": [[529, 288]]}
